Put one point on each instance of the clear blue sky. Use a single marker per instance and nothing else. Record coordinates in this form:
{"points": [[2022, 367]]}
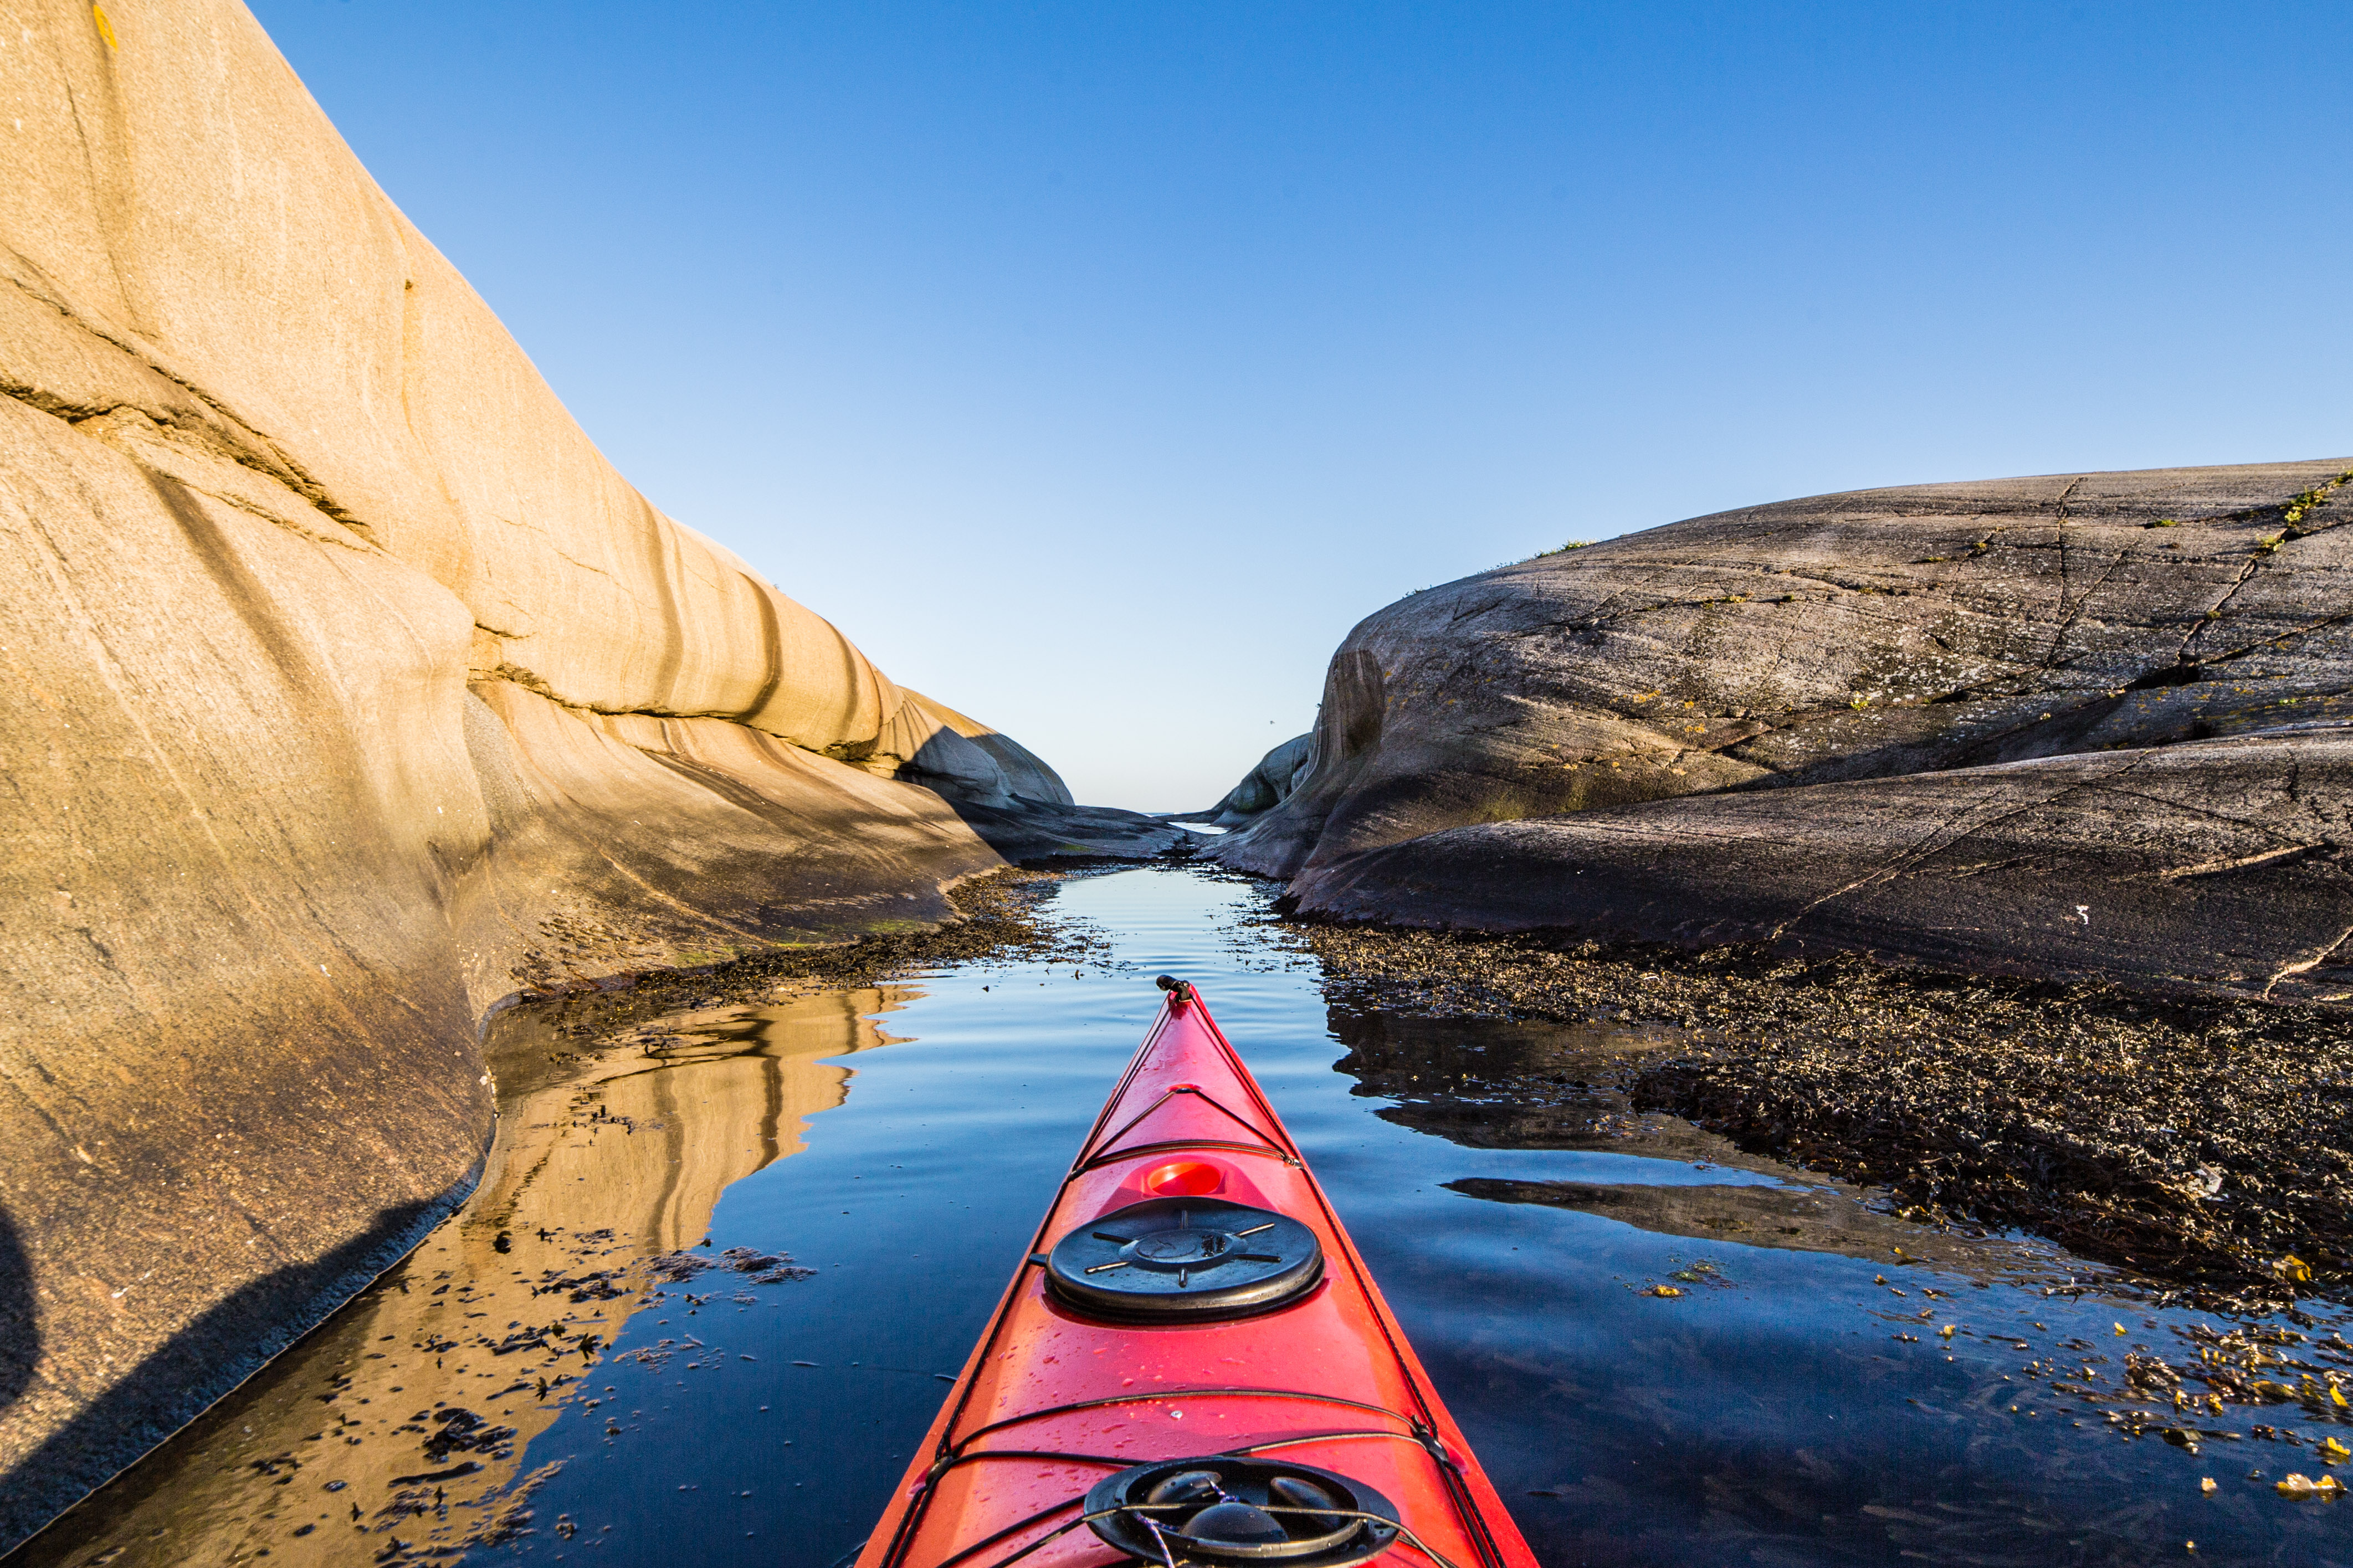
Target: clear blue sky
{"points": [[1096, 366]]}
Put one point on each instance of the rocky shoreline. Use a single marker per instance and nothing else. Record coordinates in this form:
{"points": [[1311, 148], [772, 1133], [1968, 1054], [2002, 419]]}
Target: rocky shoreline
{"points": [[2198, 1143], [1001, 914]]}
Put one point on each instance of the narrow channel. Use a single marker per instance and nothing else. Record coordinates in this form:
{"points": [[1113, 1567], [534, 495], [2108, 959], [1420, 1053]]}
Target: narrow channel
{"points": [[719, 1270]]}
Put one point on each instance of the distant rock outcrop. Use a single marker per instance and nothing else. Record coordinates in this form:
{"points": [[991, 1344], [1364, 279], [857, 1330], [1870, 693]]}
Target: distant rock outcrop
{"points": [[965, 758], [351, 692], [2095, 724], [1262, 788]]}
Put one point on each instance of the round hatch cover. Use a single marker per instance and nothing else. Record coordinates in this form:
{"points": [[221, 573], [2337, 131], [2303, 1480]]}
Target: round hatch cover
{"points": [[1222, 1509], [1176, 1258]]}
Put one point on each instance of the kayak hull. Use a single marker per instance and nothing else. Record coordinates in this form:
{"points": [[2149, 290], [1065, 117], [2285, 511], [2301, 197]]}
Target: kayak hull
{"points": [[1060, 1392]]}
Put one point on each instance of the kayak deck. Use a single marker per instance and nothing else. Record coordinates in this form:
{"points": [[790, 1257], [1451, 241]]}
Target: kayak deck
{"points": [[1059, 1394]]}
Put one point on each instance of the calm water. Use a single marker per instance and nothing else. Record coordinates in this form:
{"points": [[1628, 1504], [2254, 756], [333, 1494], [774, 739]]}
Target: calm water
{"points": [[564, 1372]]}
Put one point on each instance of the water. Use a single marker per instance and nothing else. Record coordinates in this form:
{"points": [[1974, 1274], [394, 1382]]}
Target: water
{"points": [[1792, 1405]]}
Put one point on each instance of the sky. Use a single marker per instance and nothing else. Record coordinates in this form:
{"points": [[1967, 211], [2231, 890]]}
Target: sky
{"points": [[1096, 366]]}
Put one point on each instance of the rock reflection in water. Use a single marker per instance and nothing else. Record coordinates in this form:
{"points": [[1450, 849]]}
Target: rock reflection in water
{"points": [[1491, 1085], [1816, 1218], [1486, 1084], [403, 1426]]}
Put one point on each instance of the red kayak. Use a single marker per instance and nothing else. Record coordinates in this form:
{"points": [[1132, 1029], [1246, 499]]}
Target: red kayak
{"points": [[1193, 1366]]}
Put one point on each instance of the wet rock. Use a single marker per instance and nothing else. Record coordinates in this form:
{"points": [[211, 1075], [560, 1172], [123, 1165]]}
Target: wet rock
{"points": [[462, 1431], [765, 1268]]}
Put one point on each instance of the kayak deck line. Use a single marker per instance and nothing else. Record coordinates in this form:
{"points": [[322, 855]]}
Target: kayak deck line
{"points": [[1422, 1435], [1185, 1143], [1191, 1315], [1087, 1161]]}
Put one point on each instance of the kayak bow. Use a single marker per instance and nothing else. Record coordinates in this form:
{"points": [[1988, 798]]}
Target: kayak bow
{"points": [[1193, 1366]]}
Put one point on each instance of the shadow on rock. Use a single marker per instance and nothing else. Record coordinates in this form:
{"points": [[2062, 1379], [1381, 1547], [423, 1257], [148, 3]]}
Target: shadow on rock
{"points": [[1028, 831], [20, 1324], [220, 1348]]}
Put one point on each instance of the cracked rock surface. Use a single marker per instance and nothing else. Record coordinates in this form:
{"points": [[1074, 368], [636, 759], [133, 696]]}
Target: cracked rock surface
{"points": [[2089, 724]]}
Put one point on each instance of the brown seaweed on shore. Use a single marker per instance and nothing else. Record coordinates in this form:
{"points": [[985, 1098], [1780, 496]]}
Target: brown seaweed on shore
{"points": [[2195, 1142]]}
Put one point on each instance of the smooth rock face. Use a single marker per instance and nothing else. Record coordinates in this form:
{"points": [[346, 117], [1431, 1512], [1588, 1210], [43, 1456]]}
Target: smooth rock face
{"points": [[1929, 721], [2213, 863], [1004, 771], [352, 693], [1262, 788]]}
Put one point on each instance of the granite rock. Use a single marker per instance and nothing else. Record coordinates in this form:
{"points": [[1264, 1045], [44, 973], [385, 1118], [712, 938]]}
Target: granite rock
{"points": [[1849, 720], [1262, 788], [353, 694]]}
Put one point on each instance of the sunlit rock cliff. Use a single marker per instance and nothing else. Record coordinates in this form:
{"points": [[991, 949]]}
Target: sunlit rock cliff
{"points": [[351, 692], [2095, 725]]}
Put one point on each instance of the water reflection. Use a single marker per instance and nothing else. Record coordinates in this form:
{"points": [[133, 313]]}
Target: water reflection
{"points": [[1809, 1219], [1666, 1352], [1677, 1353], [1488, 1085], [404, 1425]]}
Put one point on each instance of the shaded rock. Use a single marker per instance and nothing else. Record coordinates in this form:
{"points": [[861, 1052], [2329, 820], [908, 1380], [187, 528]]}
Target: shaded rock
{"points": [[1034, 831], [1016, 804], [1264, 788], [2214, 864], [1019, 774], [1929, 721]]}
